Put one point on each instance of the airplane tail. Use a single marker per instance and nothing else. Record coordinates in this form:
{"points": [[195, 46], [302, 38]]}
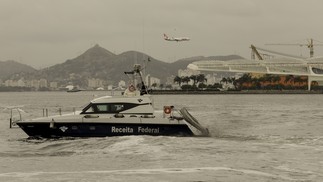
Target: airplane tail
{"points": [[165, 37]]}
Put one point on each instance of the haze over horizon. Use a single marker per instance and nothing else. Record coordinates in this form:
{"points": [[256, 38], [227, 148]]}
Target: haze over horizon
{"points": [[42, 33]]}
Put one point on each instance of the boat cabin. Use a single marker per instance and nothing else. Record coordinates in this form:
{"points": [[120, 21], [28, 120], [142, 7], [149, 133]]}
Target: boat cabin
{"points": [[125, 105]]}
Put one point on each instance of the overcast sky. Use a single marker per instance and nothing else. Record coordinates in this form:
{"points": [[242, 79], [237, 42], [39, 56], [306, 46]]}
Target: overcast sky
{"points": [[42, 33]]}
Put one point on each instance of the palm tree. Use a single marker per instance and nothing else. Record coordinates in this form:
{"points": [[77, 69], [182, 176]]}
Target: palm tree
{"points": [[224, 80], [194, 78], [234, 82], [201, 78], [178, 80], [154, 85], [186, 79]]}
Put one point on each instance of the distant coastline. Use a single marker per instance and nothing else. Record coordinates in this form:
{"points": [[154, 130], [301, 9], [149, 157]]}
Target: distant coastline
{"points": [[188, 92], [164, 92]]}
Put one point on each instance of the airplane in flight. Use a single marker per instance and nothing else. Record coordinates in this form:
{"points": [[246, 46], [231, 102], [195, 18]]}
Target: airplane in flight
{"points": [[177, 39]]}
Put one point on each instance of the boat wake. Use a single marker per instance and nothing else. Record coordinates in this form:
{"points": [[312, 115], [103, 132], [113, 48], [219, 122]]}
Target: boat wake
{"points": [[56, 175]]}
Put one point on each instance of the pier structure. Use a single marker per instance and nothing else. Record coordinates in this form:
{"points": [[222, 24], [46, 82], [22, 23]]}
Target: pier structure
{"points": [[311, 67]]}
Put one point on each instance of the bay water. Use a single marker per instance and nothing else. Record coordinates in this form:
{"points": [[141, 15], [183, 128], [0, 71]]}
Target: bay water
{"points": [[253, 138]]}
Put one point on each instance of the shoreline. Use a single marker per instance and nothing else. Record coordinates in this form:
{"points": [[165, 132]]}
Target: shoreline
{"points": [[174, 92], [196, 92]]}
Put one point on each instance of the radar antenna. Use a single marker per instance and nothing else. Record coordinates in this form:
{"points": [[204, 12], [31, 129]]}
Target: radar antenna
{"points": [[137, 72]]}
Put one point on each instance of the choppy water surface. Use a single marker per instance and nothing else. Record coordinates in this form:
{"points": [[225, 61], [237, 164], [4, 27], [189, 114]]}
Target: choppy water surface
{"points": [[254, 138]]}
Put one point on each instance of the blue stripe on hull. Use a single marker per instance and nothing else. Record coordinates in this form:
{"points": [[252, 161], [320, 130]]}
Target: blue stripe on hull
{"points": [[102, 129]]}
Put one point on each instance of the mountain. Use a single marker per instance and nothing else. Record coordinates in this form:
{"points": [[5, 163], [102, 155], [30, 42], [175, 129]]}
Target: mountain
{"points": [[8, 68], [100, 63]]}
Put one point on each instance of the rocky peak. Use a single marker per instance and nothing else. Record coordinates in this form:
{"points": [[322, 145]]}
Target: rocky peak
{"points": [[96, 52]]}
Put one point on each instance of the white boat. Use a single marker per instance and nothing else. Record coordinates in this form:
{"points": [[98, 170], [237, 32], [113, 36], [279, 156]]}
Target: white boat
{"points": [[129, 114]]}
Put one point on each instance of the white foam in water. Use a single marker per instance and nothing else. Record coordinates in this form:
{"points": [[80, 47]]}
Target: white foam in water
{"points": [[146, 171], [128, 142]]}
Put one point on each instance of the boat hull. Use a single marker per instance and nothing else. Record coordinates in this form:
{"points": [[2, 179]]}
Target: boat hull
{"points": [[48, 130]]}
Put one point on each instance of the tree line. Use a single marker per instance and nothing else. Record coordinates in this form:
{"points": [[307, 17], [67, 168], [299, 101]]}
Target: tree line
{"points": [[198, 82], [272, 82], [247, 82]]}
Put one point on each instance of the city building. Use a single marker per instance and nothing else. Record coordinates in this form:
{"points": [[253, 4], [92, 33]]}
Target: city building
{"points": [[95, 83], [43, 83], [122, 84], [187, 72], [150, 81], [53, 85]]}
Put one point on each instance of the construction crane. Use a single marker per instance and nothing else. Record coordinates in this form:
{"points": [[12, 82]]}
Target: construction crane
{"points": [[263, 56], [309, 45], [254, 52]]}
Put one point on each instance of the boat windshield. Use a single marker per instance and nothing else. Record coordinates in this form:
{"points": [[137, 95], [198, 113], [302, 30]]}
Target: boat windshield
{"points": [[107, 108]]}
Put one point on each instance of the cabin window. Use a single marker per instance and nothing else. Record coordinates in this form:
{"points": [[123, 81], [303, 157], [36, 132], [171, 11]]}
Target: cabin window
{"points": [[117, 107], [102, 108], [89, 110], [108, 108]]}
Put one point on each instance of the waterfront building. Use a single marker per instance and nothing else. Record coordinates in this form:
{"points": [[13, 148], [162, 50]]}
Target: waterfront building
{"points": [[152, 80], [170, 80], [95, 83], [35, 84], [53, 85], [21, 82], [43, 83], [11, 83], [122, 84], [187, 72], [210, 79]]}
